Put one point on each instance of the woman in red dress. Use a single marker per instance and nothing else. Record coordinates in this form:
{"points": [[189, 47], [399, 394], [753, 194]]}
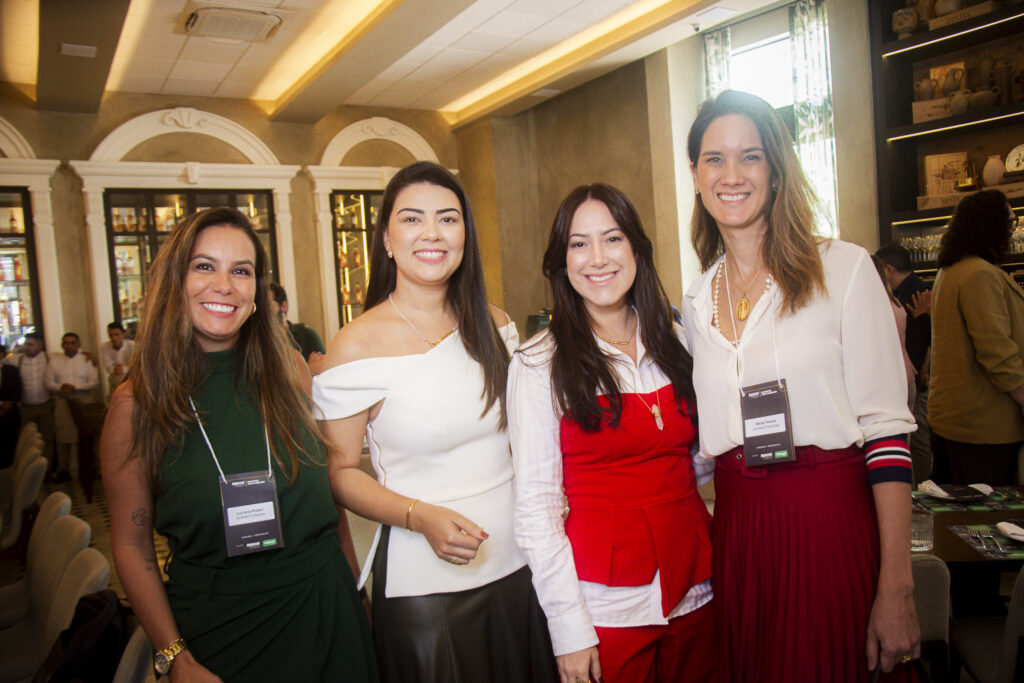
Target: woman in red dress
{"points": [[601, 403]]}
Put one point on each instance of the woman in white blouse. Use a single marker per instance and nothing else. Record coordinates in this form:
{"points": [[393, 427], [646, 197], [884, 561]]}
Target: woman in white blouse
{"points": [[800, 386], [600, 405], [422, 375]]}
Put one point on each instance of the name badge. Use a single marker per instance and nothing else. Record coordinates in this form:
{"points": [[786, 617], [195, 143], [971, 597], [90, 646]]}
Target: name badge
{"points": [[252, 519], [767, 429]]}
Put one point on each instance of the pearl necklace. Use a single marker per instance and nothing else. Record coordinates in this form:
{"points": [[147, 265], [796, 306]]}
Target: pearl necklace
{"points": [[715, 320], [432, 343]]}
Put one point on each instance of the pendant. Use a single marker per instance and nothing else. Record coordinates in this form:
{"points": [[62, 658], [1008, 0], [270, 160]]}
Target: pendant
{"points": [[742, 308], [656, 412]]}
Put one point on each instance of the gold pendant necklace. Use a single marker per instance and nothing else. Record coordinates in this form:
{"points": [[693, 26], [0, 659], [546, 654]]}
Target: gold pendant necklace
{"points": [[655, 410], [428, 341], [743, 305]]}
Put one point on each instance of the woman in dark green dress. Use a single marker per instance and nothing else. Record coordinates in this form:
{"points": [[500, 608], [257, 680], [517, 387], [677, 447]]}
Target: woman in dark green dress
{"points": [[259, 587]]}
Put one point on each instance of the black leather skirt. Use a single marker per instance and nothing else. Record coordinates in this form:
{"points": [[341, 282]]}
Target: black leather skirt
{"points": [[495, 633]]}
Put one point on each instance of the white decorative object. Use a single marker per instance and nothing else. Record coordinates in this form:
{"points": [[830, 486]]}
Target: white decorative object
{"points": [[993, 172]]}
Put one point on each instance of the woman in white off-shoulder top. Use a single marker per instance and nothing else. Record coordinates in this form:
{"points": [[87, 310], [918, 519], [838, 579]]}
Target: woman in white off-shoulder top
{"points": [[422, 375]]}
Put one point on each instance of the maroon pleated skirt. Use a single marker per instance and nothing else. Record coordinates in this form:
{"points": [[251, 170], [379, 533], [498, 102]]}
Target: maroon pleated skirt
{"points": [[794, 567]]}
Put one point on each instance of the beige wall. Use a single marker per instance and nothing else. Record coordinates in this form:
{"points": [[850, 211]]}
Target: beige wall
{"points": [[857, 210]]}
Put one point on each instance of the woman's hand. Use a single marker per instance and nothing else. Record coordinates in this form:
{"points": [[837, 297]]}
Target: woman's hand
{"points": [[893, 633], [452, 537], [581, 666], [185, 668], [922, 303]]}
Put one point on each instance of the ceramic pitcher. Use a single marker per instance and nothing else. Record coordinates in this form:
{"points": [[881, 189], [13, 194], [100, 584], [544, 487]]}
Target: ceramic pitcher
{"points": [[958, 102], [952, 82], [925, 89]]}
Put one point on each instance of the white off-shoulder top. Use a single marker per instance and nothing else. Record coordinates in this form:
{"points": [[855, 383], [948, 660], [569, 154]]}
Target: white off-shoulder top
{"points": [[430, 441]]}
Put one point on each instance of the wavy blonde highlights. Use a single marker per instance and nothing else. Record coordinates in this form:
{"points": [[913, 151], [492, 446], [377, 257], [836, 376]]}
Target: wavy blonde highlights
{"points": [[790, 247], [168, 363]]}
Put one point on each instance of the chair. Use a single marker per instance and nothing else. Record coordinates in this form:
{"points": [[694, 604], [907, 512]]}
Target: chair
{"points": [[137, 661], [26, 489], [9, 475], [931, 599], [24, 647], [975, 640], [14, 598]]}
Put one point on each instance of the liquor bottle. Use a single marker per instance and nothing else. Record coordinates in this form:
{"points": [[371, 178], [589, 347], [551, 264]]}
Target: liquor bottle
{"points": [[117, 221], [12, 223], [345, 299], [15, 310], [359, 295], [358, 259], [5, 321], [17, 268], [21, 312], [342, 259], [132, 226]]}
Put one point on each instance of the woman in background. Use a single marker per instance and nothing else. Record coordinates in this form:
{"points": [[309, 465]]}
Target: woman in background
{"points": [[803, 401], [977, 374], [601, 403], [421, 374], [216, 402]]}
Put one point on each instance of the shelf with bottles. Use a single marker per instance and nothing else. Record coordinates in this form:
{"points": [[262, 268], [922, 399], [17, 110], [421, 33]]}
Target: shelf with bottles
{"points": [[923, 240], [925, 43]]}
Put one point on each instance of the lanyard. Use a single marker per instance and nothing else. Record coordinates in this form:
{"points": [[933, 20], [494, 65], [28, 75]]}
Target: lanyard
{"points": [[775, 346], [210, 445]]}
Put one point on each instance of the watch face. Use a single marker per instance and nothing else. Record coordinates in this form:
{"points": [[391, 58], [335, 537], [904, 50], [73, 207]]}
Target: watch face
{"points": [[161, 663], [1015, 159]]}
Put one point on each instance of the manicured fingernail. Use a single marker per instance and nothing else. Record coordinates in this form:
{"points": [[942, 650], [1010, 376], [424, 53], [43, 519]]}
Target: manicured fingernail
{"points": [[484, 534]]}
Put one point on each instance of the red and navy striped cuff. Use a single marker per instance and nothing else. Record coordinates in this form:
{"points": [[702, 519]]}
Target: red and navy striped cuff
{"points": [[888, 460]]}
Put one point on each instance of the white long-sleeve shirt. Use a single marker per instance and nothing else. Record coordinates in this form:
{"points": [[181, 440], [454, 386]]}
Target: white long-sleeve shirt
{"points": [[76, 370], [573, 607], [840, 356]]}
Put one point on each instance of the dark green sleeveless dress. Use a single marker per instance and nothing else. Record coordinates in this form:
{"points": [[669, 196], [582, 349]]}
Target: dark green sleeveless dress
{"points": [[286, 614]]}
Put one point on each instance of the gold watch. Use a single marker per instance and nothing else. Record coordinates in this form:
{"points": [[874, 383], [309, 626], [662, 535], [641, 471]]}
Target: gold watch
{"points": [[162, 659]]}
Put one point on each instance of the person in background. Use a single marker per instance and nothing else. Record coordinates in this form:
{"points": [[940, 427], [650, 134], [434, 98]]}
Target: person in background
{"points": [[36, 401], [900, 314], [70, 376], [211, 442], [802, 399], [115, 354], [915, 296], [601, 406], [977, 378], [304, 339], [10, 416], [421, 375]]}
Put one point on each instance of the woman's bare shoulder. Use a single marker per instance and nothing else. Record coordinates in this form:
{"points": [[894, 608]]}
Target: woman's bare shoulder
{"points": [[368, 336], [501, 318]]}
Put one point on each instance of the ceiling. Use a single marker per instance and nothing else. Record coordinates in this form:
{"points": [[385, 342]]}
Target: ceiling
{"points": [[464, 58]]}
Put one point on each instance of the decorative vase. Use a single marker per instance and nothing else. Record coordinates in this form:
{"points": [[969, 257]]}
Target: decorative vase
{"points": [[925, 89], [985, 70], [925, 9], [958, 102], [904, 21], [993, 172], [953, 81], [943, 7]]}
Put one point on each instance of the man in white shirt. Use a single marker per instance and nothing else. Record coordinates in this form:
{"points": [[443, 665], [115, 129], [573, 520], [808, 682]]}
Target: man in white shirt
{"points": [[36, 402], [70, 376], [115, 355]]}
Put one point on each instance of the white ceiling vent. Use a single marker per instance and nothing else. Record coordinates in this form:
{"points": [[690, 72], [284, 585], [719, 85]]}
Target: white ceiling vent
{"points": [[235, 24]]}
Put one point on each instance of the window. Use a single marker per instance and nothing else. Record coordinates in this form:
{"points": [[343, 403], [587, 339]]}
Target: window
{"points": [[766, 70]]}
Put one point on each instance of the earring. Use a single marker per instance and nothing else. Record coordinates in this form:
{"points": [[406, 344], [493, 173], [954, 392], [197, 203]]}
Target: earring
{"points": [[253, 308], [698, 189], [390, 255]]}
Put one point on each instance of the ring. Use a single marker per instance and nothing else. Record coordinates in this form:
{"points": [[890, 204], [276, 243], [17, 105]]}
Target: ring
{"points": [[907, 658]]}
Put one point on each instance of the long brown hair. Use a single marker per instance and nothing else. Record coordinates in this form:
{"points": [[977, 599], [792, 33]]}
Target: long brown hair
{"points": [[169, 364], [790, 246], [466, 292], [579, 369]]}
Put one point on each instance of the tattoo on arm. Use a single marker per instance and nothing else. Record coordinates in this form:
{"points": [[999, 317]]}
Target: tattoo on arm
{"points": [[152, 565], [139, 517]]}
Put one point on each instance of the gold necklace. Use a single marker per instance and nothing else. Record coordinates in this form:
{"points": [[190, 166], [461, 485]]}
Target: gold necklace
{"points": [[636, 322], [743, 305], [432, 343], [655, 410]]}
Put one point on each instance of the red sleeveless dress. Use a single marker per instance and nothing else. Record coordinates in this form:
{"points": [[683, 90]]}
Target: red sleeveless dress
{"points": [[633, 502]]}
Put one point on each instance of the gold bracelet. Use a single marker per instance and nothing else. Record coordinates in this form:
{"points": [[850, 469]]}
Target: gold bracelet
{"points": [[409, 512]]}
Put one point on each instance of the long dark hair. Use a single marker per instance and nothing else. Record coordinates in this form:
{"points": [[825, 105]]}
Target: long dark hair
{"points": [[466, 293], [790, 247], [980, 227], [579, 369], [169, 364]]}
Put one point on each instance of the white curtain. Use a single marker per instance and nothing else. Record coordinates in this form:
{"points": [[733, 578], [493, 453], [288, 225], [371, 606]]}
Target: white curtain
{"points": [[717, 53], [812, 104]]}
